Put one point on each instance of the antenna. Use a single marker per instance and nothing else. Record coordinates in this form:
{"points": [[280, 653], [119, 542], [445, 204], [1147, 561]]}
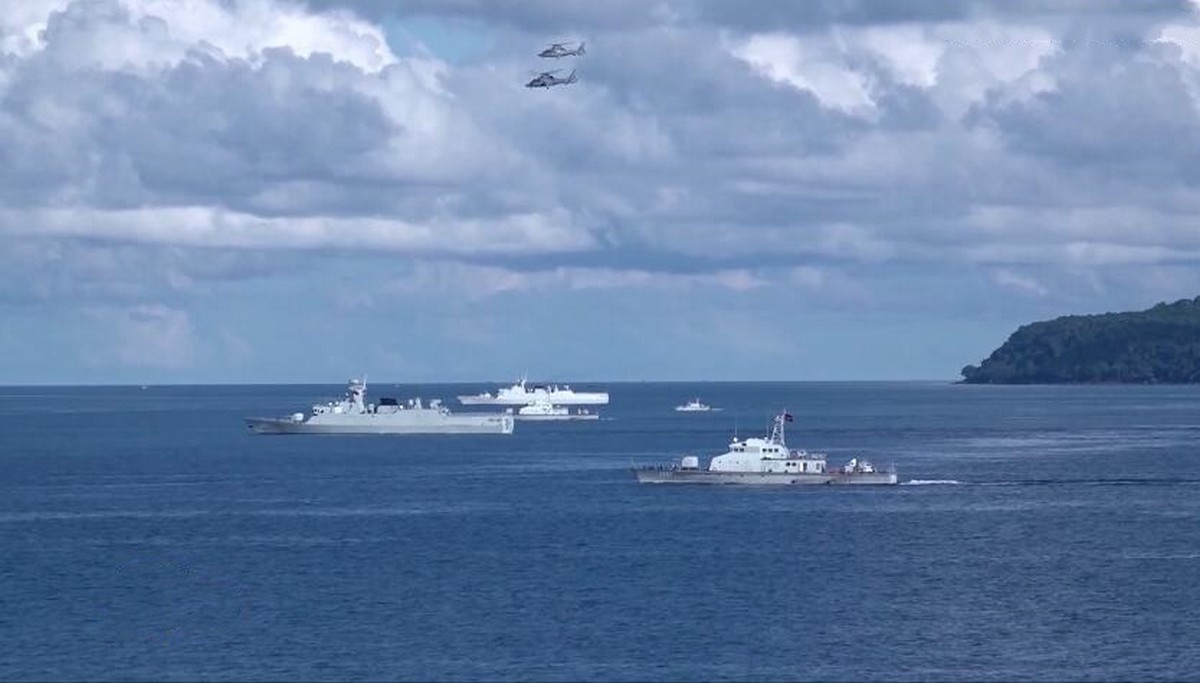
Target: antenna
{"points": [[777, 428]]}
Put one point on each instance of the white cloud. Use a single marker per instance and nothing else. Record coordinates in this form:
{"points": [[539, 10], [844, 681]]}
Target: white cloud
{"points": [[837, 67], [114, 34], [478, 281], [1019, 283], [208, 227], [1171, 232], [789, 59], [854, 242]]}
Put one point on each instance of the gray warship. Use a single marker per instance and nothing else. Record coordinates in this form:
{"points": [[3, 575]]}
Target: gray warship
{"points": [[765, 461], [351, 415]]}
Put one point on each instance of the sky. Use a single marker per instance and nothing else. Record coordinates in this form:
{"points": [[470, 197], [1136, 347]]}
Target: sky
{"points": [[260, 191]]}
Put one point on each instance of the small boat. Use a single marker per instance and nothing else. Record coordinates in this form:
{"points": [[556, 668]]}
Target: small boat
{"points": [[694, 406]]}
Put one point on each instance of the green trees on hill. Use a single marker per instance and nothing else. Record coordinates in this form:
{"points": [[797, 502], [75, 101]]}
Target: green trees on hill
{"points": [[1161, 344]]}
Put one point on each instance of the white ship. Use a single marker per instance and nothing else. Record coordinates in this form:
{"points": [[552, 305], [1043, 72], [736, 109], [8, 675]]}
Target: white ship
{"points": [[351, 415], [764, 461], [543, 410], [522, 394], [694, 406]]}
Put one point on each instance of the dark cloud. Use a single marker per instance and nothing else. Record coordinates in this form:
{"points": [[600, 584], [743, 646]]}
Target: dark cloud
{"points": [[539, 16], [73, 272], [542, 16], [1113, 109], [204, 131], [760, 15]]}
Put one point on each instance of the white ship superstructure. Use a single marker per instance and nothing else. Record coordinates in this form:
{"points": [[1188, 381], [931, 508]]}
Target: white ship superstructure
{"points": [[693, 406], [544, 411], [353, 415], [522, 393]]}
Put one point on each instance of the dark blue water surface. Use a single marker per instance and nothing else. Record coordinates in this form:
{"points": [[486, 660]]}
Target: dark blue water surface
{"points": [[1043, 533]]}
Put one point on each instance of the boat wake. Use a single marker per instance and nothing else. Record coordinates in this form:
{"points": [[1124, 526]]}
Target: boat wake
{"points": [[1126, 481], [1123, 481]]}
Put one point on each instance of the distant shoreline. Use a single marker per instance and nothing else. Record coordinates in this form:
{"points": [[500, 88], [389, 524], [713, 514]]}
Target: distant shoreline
{"points": [[474, 383], [1160, 345]]}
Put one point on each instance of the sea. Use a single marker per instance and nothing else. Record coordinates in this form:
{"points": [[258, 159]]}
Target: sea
{"points": [[1038, 533]]}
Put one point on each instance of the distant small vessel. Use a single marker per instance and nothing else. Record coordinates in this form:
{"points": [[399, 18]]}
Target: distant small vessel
{"points": [[351, 415], [760, 460], [521, 394], [693, 406], [543, 410]]}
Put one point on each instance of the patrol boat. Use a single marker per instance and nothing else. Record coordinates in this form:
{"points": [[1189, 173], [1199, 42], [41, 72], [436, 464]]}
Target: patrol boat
{"points": [[523, 394], [694, 406], [765, 460], [351, 415]]}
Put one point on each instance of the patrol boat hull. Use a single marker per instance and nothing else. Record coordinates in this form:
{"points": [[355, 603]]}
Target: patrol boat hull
{"points": [[680, 476]]}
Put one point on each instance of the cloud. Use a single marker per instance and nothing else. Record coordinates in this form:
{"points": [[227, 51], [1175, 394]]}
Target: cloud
{"points": [[155, 153], [1137, 115], [541, 16], [204, 227], [456, 279], [1019, 283], [148, 34], [534, 15], [783, 58], [876, 132], [125, 124], [227, 130], [148, 336]]}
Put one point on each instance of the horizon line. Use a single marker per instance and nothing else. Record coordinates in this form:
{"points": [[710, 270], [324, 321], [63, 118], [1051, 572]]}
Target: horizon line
{"points": [[474, 382]]}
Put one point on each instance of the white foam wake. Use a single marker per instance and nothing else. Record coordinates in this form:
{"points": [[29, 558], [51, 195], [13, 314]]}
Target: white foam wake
{"points": [[929, 482]]}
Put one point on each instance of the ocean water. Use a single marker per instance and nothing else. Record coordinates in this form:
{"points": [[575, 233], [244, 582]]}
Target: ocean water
{"points": [[1041, 533]]}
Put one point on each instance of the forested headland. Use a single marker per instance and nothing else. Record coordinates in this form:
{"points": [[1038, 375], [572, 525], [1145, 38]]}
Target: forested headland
{"points": [[1158, 345]]}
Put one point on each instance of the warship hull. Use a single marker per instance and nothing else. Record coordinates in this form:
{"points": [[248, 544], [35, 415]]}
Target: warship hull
{"points": [[455, 424], [682, 476], [556, 398]]}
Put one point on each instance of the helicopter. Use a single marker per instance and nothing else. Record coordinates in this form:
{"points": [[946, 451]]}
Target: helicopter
{"points": [[547, 79], [560, 50]]}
